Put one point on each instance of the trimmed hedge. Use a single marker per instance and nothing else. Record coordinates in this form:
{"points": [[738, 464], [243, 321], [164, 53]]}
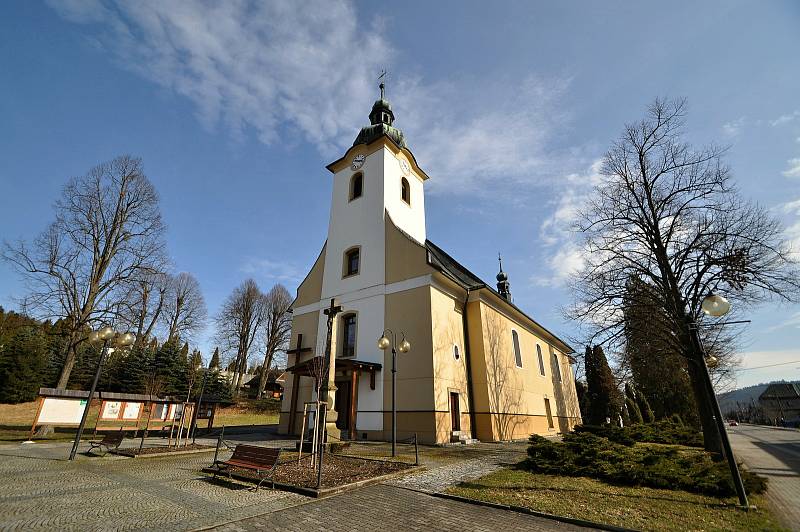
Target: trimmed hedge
{"points": [[665, 431], [588, 455]]}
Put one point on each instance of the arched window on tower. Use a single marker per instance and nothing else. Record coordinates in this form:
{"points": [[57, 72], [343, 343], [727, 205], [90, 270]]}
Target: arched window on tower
{"points": [[405, 191], [356, 186], [352, 262], [349, 335]]}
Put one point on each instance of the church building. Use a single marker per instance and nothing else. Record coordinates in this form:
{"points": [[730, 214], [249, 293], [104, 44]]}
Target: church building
{"points": [[478, 366]]}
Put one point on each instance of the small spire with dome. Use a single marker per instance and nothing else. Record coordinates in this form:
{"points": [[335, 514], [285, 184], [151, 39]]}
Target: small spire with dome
{"points": [[503, 286], [381, 119]]}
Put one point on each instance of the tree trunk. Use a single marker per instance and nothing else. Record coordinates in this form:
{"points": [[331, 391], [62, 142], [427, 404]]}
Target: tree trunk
{"points": [[262, 381], [711, 436]]}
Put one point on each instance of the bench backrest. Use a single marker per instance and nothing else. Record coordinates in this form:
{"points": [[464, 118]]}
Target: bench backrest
{"points": [[253, 454], [114, 438]]}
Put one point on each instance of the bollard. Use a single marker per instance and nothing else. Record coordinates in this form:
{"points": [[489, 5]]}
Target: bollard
{"points": [[219, 442]]}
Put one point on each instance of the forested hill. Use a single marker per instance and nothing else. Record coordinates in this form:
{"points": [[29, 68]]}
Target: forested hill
{"points": [[728, 400]]}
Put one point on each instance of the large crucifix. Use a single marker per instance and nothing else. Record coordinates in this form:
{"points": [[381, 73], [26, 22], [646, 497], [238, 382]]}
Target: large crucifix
{"points": [[328, 385], [298, 351]]}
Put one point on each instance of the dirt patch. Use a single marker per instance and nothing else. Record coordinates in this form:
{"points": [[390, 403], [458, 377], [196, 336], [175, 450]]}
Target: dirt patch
{"points": [[336, 471]]}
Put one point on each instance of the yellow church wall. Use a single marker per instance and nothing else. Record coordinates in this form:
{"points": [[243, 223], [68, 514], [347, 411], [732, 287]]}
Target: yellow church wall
{"points": [[409, 312], [305, 324], [450, 374], [310, 290], [405, 259], [510, 401]]}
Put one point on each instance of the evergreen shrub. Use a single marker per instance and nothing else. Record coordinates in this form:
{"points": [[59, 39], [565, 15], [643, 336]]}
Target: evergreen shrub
{"points": [[584, 454]]}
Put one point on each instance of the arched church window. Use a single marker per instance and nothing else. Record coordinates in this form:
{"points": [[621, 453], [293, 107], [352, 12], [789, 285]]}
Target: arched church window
{"points": [[349, 335], [517, 352], [352, 261], [541, 360], [556, 367], [356, 186], [405, 191]]}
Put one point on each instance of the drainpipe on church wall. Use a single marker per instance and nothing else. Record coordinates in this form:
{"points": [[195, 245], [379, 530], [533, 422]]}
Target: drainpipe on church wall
{"points": [[472, 428]]}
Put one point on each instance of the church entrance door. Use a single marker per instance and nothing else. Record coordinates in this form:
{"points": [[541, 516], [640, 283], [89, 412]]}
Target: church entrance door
{"points": [[455, 414], [342, 405]]}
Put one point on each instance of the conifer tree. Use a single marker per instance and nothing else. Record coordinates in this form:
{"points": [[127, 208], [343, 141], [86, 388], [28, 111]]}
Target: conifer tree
{"points": [[604, 402], [214, 364], [634, 413], [23, 361]]}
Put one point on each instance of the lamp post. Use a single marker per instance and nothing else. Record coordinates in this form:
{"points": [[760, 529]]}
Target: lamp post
{"points": [[106, 334], [717, 306], [383, 344]]}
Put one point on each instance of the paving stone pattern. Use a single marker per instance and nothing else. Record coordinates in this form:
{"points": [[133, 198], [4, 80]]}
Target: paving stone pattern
{"points": [[440, 476], [381, 507], [38, 493]]}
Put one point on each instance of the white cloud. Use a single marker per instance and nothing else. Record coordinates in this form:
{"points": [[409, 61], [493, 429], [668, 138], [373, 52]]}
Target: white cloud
{"points": [[783, 119], [752, 371], [273, 271], [734, 127], [282, 68], [794, 168], [307, 69], [556, 231], [475, 132]]}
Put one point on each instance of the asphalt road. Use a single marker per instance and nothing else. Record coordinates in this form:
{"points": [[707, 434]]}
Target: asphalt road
{"points": [[775, 454]]}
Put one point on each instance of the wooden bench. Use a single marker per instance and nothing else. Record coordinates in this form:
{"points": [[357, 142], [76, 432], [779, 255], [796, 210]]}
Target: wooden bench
{"points": [[110, 441], [262, 460]]}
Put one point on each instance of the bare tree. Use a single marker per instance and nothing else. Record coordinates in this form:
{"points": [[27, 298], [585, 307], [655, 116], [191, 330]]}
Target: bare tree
{"points": [[238, 324], [143, 303], [277, 328], [107, 233], [184, 310], [668, 215]]}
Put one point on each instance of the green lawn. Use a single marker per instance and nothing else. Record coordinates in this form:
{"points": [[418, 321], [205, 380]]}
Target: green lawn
{"points": [[15, 420], [630, 507]]}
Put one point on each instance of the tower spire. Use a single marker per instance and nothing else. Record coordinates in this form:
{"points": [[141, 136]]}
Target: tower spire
{"points": [[382, 85], [503, 286]]}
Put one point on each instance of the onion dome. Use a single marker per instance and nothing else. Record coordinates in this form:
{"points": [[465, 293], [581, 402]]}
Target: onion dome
{"points": [[503, 286], [381, 119]]}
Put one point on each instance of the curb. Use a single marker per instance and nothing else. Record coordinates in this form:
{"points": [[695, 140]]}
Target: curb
{"points": [[325, 492], [523, 510], [160, 455]]}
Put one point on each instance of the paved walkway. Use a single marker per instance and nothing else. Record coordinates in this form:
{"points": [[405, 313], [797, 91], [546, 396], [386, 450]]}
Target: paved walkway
{"points": [[381, 507], [441, 475], [40, 492], [775, 454]]}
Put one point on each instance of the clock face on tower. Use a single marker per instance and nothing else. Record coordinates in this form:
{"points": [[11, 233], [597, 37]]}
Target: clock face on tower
{"points": [[404, 166], [358, 162]]}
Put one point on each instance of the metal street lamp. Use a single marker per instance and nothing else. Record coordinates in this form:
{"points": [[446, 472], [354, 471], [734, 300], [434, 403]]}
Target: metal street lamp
{"points": [[106, 335], [717, 306], [405, 346]]}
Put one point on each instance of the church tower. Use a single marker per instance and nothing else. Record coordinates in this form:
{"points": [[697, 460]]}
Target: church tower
{"points": [[376, 182]]}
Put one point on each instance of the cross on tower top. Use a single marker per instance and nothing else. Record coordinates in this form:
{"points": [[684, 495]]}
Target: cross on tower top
{"points": [[382, 86]]}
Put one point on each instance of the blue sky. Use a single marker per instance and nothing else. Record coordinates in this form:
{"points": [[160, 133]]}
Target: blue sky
{"points": [[236, 109]]}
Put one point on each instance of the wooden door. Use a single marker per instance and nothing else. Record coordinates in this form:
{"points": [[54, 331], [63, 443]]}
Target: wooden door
{"points": [[342, 404], [455, 413]]}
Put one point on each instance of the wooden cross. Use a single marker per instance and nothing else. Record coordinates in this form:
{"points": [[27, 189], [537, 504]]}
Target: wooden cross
{"points": [[331, 312], [299, 349]]}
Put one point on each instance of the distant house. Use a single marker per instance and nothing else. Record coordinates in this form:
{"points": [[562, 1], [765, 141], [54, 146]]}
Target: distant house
{"points": [[781, 403]]}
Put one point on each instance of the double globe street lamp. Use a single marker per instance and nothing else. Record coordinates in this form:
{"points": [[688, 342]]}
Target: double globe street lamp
{"points": [[405, 346], [106, 335], [717, 306]]}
